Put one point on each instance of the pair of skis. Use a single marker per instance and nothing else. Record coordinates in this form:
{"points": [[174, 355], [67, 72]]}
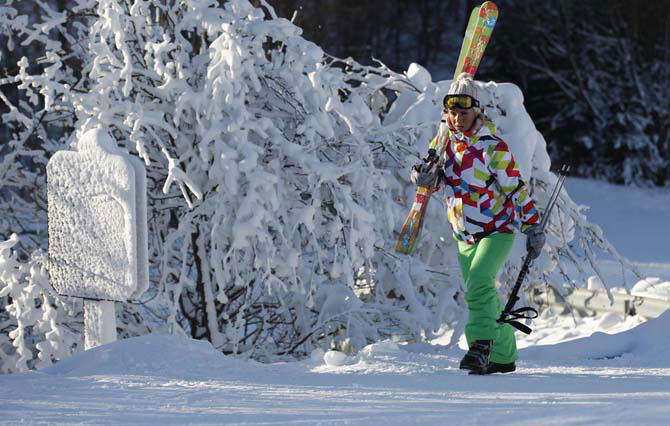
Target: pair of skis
{"points": [[477, 36]]}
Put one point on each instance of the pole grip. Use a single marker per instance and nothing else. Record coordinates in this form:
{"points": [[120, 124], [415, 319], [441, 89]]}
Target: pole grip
{"points": [[514, 295]]}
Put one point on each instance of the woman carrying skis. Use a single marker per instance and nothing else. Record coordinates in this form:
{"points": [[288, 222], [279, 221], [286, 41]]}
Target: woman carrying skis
{"points": [[490, 201]]}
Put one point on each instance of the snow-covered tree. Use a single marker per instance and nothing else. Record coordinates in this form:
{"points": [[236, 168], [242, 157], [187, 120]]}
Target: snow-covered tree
{"points": [[276, 173], [396, 32], [269, 189]]}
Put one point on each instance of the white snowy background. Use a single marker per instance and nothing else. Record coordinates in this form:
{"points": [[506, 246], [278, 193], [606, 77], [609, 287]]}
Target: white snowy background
{"points": [[286, 177]]}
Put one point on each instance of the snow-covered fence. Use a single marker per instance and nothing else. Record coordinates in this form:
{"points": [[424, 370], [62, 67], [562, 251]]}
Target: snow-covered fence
{"points": [[591, 302]]}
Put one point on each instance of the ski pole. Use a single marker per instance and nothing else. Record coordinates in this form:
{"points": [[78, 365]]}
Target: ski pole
{"points": [[514, 295]]}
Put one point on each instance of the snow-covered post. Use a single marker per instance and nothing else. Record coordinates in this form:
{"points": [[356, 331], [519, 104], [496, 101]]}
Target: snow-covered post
{"points": [[97, 230]]}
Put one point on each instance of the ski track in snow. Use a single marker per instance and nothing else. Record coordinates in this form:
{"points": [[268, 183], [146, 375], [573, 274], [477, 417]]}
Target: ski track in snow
{"points": [[420, 384], [534, 395]]}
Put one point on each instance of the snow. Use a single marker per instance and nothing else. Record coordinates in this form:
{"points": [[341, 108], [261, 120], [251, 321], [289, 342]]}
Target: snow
{"points": [[652, 286], [634, 221], [99, 323], [169, 380], [572, 371], [645, 345], [503, 104], [603, 370], [97, 232]]}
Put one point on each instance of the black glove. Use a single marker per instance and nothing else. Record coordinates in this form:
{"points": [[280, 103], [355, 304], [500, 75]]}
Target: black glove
{"points": [[421, 178], [535, 240]]}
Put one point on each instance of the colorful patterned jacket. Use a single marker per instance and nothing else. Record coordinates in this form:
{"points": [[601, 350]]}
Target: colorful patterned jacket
{"points": [[489, 194]]}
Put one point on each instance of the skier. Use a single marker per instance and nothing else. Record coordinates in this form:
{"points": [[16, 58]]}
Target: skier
{"points": [[490, 201]]}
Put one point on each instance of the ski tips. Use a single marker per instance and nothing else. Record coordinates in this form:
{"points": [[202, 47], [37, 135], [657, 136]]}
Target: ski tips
{"points": [[487, 7], [489, 11], [477, 34]]}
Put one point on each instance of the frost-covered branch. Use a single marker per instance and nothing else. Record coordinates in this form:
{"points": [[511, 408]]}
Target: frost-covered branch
{"points": [[277, 175]]}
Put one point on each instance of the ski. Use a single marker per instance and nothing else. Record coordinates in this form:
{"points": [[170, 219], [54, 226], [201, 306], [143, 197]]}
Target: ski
{"points": [[467, 39], [411, 229], [476, 38], [486, 21]]}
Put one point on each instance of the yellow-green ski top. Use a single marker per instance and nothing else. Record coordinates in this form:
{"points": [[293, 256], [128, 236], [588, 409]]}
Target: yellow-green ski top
{"points": [[477, 36]]}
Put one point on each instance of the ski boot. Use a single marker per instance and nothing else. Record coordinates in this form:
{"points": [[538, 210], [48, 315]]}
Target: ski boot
{"points": [[477, 358]]}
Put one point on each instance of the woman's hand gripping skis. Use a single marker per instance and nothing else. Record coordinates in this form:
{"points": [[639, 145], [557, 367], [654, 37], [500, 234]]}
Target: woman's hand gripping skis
{"points": [[427, 177]]}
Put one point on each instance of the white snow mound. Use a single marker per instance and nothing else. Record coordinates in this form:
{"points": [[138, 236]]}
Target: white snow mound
{"points": [[148, 355], [383, 347], [337, 359], [647, 344]]}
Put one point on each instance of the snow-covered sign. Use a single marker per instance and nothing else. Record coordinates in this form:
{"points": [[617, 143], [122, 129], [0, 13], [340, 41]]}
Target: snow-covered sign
{"points": [[97, 221]]}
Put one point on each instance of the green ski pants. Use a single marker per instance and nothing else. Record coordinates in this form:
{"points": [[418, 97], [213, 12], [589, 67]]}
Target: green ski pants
{"points": [[480, 264]]}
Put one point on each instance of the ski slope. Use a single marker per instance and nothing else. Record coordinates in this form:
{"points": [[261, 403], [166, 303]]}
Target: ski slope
{"points": [[598, 371], [635, 220], [166, 380]]}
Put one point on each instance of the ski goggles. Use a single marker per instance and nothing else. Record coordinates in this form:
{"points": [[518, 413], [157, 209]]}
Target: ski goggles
{"points": [[460, 101]]}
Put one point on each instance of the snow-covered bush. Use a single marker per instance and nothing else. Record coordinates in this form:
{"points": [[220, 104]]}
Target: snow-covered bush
{"points": [[269, 167], [277, 175], [37, 326], [34, 329]]}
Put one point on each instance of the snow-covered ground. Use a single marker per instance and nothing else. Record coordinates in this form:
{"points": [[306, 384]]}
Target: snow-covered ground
{"points": [[635, 220], [637, 223], [604, 370]]}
